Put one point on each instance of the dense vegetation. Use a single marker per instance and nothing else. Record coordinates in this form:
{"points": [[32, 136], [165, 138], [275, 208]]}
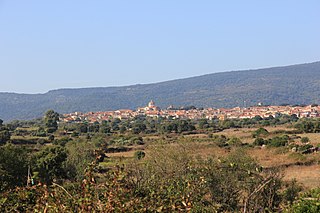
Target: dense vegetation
{"points": [[281, 85], [73, 167]]}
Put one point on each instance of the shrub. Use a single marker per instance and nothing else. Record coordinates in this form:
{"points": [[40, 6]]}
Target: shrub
{"points": [[304, 148], [234, 141], [292, 191], [259, 142], [308, 202], [13, 166], [136, 140], [51, 138], [220, 140], [41, 141], [62, 141], [139, 155], [49, 163], [259, 132], [80, 155], [305, 140], [278, 141]]}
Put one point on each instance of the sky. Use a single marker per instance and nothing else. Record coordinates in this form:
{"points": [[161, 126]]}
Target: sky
{"points": [[47, 45]]}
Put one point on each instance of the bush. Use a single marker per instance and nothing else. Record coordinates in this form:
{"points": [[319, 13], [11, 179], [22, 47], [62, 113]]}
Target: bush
{"points": [[41, 141], [80, 155], [278, 141], [292, 191], [308, 202], [304, 148], [220, 140], [259, 142], [51, 138], [259, 132], [139, 155], [13, 166], [305, 140], [49, 163], [234, 141], [169, 180], [136, 140], [62, 141], [4, 136]]}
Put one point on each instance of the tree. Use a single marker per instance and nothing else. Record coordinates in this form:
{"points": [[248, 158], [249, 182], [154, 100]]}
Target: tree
{"points": [[49, 163], [138, 127], [259, 132], [203, 124], [80, 155], [257, 118], [13, 166], [4, 136], [51, 120], [82, 127]]}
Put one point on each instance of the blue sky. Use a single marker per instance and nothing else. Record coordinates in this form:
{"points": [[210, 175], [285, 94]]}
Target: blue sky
{"points": [[68, 44]]}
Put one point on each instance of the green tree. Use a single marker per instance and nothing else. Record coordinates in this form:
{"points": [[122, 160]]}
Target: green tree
{"points": [[4, 136], [203, 124], [51, 121], [259, 132], [80, 155], [82, 127], [13, 166], [49, 163]]}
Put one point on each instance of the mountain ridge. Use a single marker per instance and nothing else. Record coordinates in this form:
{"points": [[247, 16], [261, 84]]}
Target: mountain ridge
{"points": [[293, 84]]}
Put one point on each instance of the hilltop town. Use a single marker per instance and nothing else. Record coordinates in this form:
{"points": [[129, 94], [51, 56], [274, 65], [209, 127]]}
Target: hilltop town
{"points": [[151, 110]]}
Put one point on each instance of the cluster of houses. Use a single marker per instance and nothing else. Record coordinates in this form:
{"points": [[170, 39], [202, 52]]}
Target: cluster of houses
{"points": [[151, 110]]}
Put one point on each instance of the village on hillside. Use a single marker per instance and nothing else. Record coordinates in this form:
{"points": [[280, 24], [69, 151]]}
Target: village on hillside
{"points": [[151, 110]]}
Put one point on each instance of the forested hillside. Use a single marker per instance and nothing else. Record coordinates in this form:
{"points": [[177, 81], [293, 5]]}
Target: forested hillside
{"points": [[296, 84]]}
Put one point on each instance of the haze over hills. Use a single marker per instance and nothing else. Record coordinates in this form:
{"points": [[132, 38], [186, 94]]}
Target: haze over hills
{"points": [[296, 84]]}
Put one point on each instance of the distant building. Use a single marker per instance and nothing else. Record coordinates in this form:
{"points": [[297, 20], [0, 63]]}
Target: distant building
{"points": [[151, 104], [149, 108]]}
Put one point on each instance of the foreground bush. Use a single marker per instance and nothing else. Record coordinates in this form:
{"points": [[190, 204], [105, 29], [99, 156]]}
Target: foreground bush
{"points": [[308, 202], [166, 180]]}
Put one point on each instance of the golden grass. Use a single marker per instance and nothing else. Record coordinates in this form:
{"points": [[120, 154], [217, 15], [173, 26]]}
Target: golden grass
{"points": [[201, 145], [26, 137], [269, 158], [314, 137], [33, 128], [308, 176]]}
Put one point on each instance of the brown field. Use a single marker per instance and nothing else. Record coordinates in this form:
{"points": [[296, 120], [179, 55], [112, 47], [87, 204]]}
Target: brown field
{"points": [[308, 176]]}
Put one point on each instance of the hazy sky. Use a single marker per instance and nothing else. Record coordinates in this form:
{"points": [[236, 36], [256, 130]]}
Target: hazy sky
{"points": [[63, 43]]}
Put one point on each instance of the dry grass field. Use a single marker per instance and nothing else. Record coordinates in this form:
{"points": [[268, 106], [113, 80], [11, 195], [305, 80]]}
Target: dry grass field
{"points": [[305, 168], [308, 176]]}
